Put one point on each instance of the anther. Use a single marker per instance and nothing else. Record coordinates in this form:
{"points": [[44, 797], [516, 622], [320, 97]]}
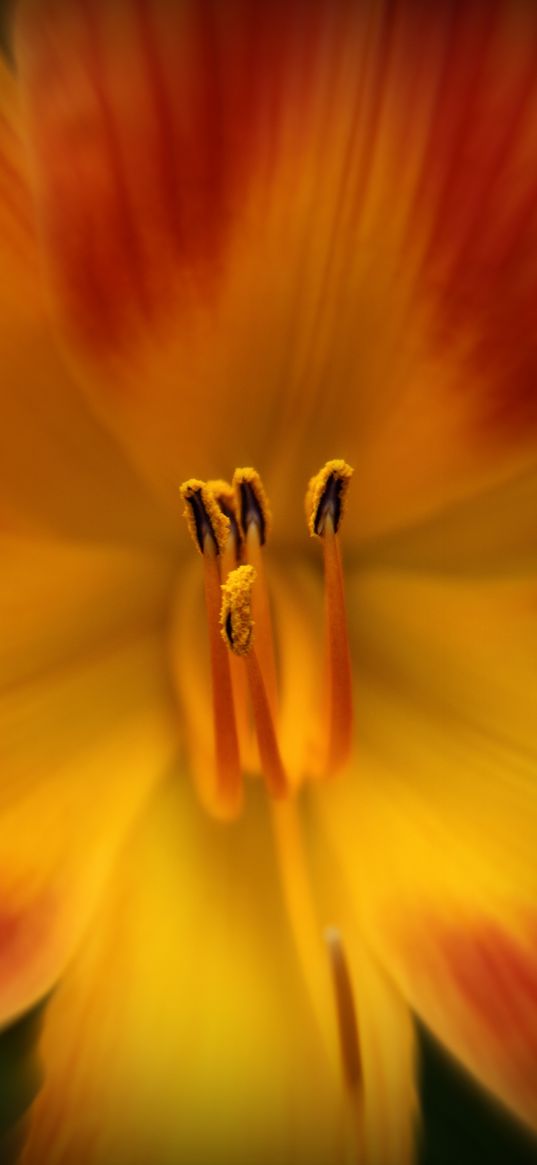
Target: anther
{"points": [[209, 528], [206, 521], [253, 503], [239, 633], [326, 495], [236, 621], [255, 521], [325, 502], [224, 495]]}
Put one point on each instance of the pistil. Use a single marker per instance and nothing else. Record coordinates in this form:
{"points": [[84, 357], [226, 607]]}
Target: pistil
{"points": [[349, 1043], [210, 528]]}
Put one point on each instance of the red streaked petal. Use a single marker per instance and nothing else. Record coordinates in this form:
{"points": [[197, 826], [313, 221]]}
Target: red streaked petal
{"points": [[309, 220], [432, 835], [141, 148], [475, 983], [60, 472]]}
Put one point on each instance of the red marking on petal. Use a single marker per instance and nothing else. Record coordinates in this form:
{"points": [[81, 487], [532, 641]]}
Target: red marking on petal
{"points": [[148, 119], [28, 947], [476, 985], [480, 176]]}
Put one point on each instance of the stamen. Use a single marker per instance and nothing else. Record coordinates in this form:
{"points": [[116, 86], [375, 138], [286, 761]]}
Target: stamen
{"points": [[326, 496], [224, 494], [204, 518], [253, 503], [209, 528], [255, 520], [237, 628], [346, 1011], [325, 502]]}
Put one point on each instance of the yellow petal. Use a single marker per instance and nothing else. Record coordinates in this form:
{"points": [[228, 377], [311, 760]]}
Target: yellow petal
{"points": [[62, 603], [268, 232], [81, 749], [434, 834], [389, 1065], [182, 1030]]}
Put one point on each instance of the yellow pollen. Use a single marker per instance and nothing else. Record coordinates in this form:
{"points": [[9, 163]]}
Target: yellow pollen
{"points": [[236, 626], [236, 621], [225, 497], [326, 495], [252, 503], [205, 519]]}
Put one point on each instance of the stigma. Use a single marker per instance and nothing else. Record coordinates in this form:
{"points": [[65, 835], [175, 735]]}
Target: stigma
{"points": [[230, 525]]}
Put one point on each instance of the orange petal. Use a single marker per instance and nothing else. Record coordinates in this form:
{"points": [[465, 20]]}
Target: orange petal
{"points": [[434, 834], [315, 232], [87, 729], [59, 470]]}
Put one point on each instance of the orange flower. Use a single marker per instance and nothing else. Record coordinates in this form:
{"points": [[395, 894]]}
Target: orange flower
{"points": [[276, 235]]}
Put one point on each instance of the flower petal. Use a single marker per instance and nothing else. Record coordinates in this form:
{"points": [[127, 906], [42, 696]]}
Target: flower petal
{"points": [[59, 470], [182, 1031], [435, 833], [62, 603], [81, 749], [217, 203]]}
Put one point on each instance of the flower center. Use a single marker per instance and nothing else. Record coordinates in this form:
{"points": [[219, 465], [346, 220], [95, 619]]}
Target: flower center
{"points": [[230, 525]]}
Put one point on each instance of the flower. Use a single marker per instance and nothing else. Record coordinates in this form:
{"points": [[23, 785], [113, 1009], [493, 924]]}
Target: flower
{"points": [[271, 235]]}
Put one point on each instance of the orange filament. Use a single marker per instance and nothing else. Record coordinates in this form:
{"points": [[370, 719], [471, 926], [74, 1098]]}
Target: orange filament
{"points": [[237, 629], [338, 654], [209, 535], [271, 761], [255, 520], [325, 504]]}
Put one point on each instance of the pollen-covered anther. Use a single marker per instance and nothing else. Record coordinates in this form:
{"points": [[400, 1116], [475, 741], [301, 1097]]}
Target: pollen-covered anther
{"points": [[253, 504], [237, 629], [207, 522], [236, 621], [226, 499], [326, 496], [325, 502]]}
